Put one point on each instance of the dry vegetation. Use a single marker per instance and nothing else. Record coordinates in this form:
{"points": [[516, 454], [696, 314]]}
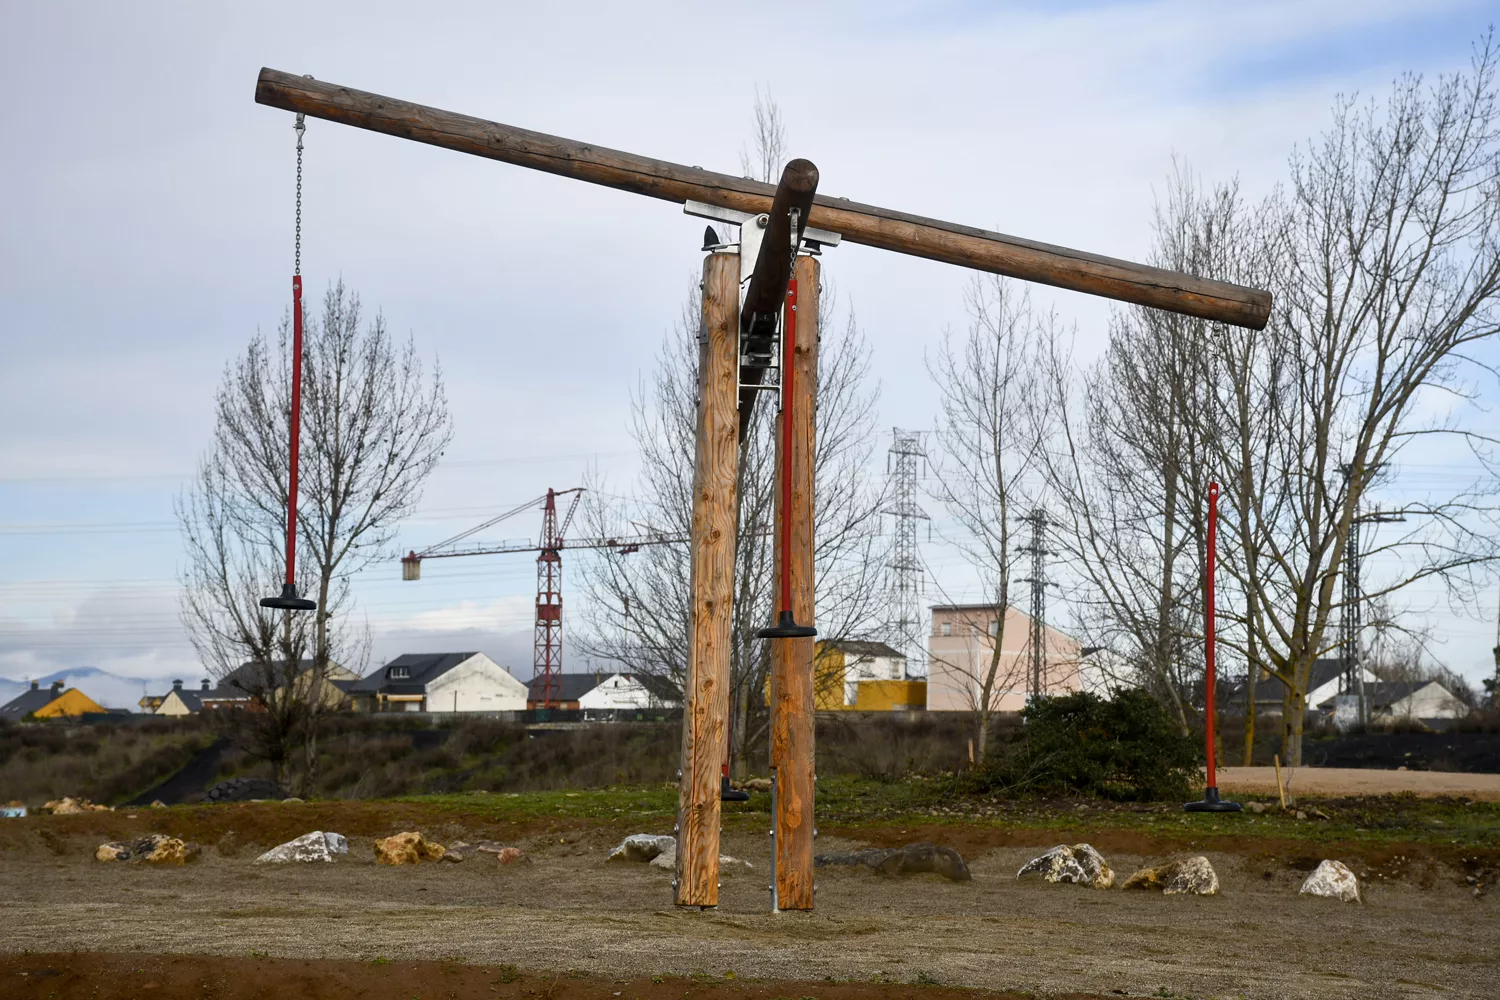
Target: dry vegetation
{"points": [[104, 763], [371, 757]]}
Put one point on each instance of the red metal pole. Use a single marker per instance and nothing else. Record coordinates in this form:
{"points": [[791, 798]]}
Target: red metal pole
{"points": [[291, 503], [1208, 627], [788, 366], [1211, 801]]}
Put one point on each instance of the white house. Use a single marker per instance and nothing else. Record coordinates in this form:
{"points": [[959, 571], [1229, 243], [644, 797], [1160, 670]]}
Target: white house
{"points": [[440, 682], [1322, 685], [630, 691], [1420, 700]]}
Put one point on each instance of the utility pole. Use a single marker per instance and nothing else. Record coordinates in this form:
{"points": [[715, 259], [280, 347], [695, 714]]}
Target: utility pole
{"points": [[1039, 552], [1351, 621], [904, 577]]}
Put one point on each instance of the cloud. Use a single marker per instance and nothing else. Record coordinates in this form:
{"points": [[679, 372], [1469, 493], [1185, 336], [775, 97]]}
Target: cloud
{"points": [[151, 238]]}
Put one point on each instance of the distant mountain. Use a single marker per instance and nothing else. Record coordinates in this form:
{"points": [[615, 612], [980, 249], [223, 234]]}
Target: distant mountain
{"points": [[108, 689]]}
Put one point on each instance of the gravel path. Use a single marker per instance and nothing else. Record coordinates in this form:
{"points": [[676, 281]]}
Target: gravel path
{"points": [[1342, 781]]}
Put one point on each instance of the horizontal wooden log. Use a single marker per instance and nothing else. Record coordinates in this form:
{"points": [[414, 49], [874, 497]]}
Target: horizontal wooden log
{"points": [[867, 224]]}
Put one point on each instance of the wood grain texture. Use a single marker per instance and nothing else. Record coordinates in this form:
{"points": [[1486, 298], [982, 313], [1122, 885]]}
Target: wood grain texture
{"points": [[858, 223], [715, 497], [792, 718]]}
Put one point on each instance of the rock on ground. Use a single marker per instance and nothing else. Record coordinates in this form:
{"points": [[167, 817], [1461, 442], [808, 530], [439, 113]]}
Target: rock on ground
{"points": [[1334, 880], [408, 848], [642, 847], [1079, 864], [912, 859], [244, 790], [315, 846], [1185, 876], [502, 853], [154, 847], [68, 805], [667, 861], [757, 785]]}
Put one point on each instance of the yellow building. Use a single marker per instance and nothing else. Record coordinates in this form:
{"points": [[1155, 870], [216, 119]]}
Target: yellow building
{"points": [[855, 676], [50, 703]]}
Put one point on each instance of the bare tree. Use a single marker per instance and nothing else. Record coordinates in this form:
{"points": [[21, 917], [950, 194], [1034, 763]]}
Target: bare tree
{"points": [[765, 160], [374, 425], [1131, 460], [638, 603], [986, 470], [1386, 273], [638, 608]]}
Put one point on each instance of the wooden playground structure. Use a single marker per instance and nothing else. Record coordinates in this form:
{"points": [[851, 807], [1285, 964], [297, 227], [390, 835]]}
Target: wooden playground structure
{"points": [[745, 339]]}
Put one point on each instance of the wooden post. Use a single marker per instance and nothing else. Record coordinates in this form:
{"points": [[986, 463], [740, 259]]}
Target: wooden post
{"points": [[792, 681], [715, 497]]}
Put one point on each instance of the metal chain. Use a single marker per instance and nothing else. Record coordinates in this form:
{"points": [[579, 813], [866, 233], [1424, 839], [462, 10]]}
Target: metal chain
{"points": [[301, 127]]}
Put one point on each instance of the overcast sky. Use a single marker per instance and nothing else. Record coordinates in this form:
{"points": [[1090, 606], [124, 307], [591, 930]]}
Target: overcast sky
{"points": [[145, 234]]}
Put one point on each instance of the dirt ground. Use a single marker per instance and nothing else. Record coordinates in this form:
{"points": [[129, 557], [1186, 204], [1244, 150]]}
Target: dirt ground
{"points": [[1421, 932], [1349, 781], [125, 977]]}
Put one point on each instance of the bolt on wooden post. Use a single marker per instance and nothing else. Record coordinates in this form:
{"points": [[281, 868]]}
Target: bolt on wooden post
{"points": [[792, 660], [715, 499]]}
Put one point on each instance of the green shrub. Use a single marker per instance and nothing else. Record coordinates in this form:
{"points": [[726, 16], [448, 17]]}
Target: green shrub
{"points": [[1127, 747]]}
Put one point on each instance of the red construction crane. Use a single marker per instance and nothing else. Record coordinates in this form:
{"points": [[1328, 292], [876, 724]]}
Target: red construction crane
{"points": [[547, 655]]}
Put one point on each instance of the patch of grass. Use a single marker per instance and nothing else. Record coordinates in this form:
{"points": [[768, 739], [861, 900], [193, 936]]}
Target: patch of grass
{"points": [[854, 803]]}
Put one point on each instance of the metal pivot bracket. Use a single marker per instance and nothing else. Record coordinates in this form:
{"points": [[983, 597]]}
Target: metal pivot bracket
{"points": [[813, 240], [759, 348]]}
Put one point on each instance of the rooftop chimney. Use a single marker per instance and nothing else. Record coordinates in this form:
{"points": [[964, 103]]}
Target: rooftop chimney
{"points": [[35, 685], [57, 686], [205, 683], [177, 685]]}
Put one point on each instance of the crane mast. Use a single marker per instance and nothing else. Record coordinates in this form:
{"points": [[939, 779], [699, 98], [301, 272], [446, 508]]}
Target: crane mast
{"points": [[548, 623]]}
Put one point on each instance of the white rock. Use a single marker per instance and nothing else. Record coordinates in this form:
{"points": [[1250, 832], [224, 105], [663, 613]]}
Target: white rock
{"points": [[1187, 876], [1334, 880], [643, 847], [1195, 876], [667, 861], [315, 846], [1079, 864]]}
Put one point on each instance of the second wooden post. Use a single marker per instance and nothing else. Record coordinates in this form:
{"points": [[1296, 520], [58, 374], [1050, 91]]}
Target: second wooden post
{"points": [[711, 583], [792, 697]]}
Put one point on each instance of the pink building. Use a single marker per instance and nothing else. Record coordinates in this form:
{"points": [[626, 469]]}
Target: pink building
{"points": [[960, 657]]}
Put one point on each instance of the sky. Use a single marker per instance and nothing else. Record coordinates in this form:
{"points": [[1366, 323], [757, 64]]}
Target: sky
{"points": [[146, 235]]}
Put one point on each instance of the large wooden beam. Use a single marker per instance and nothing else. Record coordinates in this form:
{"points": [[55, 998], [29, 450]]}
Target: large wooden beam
{"points": [[792, 708], [711, 583], [867, 224]]}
